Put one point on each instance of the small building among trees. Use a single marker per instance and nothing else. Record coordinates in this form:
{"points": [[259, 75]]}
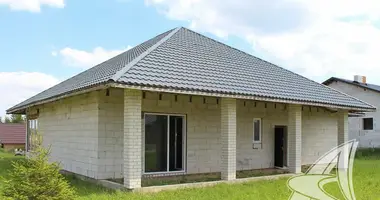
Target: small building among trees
{"points": [[12, 135]]}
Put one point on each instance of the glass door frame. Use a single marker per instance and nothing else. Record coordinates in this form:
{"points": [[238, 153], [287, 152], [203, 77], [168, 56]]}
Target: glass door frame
{"points": [[184, 140]]}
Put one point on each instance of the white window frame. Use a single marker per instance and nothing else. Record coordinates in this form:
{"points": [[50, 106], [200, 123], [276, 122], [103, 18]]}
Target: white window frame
{"points": [[32, 129], [260, 131], [184, 156]]}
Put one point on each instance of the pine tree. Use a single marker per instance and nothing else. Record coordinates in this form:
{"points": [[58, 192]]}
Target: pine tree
{"points": [[37, 179]]}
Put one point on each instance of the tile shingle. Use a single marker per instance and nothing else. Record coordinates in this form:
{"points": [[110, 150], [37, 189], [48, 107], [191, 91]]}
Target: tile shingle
{"points": [[186, 60]]}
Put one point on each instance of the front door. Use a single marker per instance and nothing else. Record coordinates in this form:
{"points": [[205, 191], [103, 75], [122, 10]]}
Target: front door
{"points": [[279, 146]]}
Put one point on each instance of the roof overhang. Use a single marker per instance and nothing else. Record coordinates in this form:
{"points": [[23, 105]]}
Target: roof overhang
{"points": [[239, 96], [357, 114], [22, 109]]}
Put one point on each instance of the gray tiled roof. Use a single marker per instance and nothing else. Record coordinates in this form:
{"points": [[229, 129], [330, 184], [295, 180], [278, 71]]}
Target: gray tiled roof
{"points": [[363, 85], [183, 59], [99, 74]]}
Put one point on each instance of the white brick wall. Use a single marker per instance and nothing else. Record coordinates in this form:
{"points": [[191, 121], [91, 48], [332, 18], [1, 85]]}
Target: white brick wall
{"points": [[70, 127], [111, 131], [319, 130], [366, 138], [271, 115], [87, 131], [203, 127], [319, 133]]}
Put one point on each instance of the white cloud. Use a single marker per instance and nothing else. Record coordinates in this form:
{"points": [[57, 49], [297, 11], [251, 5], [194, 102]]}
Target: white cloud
{"points": [[86, 59], [18, 86], [316, 38], [32, 5]]}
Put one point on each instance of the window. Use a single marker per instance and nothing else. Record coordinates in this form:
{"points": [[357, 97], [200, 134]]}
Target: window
{"points": [[164, 143], [257, 130], [32, 139], [367, 123]]}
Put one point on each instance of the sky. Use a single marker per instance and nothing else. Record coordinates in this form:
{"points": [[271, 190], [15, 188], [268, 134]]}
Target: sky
{"points": [[43, 42]]}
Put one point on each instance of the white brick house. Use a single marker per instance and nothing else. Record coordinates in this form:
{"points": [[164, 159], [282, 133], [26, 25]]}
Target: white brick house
{"points": [[182, 103], [362, 126]]}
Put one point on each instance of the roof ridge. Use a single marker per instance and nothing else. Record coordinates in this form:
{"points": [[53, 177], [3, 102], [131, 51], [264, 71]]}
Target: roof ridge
{"points": [[229, 46], [234, 48], [351, 81], [128, 66]]}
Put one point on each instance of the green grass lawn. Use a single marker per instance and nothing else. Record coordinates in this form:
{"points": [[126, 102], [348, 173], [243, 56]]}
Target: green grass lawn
{"points": [[366, 184]]}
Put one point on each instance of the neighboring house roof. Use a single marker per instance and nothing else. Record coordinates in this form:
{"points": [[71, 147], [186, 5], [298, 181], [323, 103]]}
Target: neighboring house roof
{"points": [[12, 133], [373, 87], [185, 60]]}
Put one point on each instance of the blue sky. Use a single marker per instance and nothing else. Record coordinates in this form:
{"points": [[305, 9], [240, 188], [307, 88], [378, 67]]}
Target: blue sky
{"points": [[29, 38], [43, 42]]}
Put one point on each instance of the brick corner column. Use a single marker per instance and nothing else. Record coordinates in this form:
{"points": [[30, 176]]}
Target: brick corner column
{"points": [[342, 137], [132, 138], [295, 137], [342, 126], [228, 139]]}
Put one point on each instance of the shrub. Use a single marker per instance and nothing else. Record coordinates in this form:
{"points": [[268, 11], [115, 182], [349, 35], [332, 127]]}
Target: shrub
{"points": [[36, 179]]}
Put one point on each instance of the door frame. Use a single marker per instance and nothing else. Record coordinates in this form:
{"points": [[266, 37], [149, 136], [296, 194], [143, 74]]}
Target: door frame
{"points": [[286, 144], [184, 148]]}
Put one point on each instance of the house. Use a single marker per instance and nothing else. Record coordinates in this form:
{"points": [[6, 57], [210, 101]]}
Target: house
{"points": [[182, 103], [12, 136], [362, 126]]}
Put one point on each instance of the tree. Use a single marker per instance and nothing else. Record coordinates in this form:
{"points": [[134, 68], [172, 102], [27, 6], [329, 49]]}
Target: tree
{"points": [[14, 118], [17, 118], [38, 179], [7, 120]]}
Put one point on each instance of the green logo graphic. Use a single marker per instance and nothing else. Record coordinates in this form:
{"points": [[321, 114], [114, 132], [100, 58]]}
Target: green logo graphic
{"points": [[309, 186]]}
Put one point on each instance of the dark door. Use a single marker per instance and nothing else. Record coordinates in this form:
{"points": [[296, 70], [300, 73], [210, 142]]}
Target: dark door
{"points": [[279, 146]]}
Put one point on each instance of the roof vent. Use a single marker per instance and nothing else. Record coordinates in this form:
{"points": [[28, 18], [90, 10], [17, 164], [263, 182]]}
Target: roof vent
{"points": [[360, 79]]}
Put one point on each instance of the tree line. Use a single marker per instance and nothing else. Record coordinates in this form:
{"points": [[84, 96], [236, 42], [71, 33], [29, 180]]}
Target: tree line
{"points": [[13, 119]]}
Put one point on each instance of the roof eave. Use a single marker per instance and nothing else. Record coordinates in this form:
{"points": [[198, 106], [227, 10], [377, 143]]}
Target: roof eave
{"points": [[22, 109], [239, 96]]}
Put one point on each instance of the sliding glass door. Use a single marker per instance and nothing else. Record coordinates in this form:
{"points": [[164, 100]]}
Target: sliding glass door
{"points": [[164, 143]]}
